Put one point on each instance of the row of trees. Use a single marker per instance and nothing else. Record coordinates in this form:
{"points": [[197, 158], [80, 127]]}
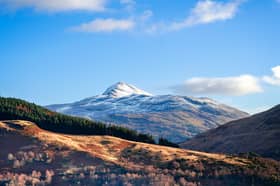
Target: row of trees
{"points": [[16, 109], [164, 142]]}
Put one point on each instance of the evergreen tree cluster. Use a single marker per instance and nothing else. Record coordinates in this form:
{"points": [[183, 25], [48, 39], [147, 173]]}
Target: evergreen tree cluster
{"points": [[16, 109], [165, 142]]}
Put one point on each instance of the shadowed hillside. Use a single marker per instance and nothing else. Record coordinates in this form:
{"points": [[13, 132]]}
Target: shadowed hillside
{"points": [[259, 134]]}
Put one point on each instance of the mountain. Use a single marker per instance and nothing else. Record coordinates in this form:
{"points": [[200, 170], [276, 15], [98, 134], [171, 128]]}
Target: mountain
{"points": [[177, 118], [30, 155], [259, 133]]}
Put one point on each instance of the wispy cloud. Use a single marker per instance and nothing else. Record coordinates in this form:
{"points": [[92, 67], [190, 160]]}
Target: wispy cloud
{"points": [[105, 25], [275, 78], [129, 4], [147, 14], [234, 86], [211, 11], [111, 24], [208, 11], [56, 5], [204, 12]]}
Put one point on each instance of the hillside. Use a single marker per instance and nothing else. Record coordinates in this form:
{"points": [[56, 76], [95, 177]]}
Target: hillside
{"points": [[11, 108], [175, 117], [30, 155], [259, 133]]}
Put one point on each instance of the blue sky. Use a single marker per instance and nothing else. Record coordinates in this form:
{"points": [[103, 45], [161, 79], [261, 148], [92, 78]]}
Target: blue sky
{"points": [[62, 51]]}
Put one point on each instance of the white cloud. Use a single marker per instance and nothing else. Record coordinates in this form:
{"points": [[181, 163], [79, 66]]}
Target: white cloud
{"points": [[275, 78], [209, 11], [56, 5], [106, 25], [129, 4], [234, 86], [147, 14], [110, 24], [204, 12]]}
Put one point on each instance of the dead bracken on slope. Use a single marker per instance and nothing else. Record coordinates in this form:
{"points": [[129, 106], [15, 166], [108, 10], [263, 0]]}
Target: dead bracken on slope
{"points": [[149, 164], [109, 148]]}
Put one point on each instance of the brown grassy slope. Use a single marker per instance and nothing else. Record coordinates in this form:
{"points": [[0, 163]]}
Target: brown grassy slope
{"points": [[95, 160], [259, 133]]}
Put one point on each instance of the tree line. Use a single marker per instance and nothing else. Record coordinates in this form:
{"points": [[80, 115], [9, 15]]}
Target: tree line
{"points": [[16, 109]]}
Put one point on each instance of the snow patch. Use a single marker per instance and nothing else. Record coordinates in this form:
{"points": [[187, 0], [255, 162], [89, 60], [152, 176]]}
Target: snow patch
{"points": [[122, 89]]}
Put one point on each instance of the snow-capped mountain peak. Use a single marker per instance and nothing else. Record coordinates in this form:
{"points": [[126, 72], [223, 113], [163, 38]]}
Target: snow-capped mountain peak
{"points": [[122, 89], [177, 118]]}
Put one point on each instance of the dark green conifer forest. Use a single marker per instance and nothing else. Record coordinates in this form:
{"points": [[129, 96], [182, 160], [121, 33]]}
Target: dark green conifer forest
{"points": [[16, 109]]}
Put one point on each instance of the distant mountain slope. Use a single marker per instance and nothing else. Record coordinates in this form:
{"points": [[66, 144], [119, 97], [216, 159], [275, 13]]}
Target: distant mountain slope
{"points": [[32, 156], [259, 133], [175, 117]]}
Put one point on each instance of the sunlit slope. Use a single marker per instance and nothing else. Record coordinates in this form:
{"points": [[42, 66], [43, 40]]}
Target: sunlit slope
{"points": [[70, 156]]}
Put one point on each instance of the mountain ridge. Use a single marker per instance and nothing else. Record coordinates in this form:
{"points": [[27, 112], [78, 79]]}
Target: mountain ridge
{"points": [[175, 117]]}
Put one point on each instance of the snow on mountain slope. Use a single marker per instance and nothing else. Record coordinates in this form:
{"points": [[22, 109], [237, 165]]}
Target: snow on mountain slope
{"points": [[121, 89], [176, 118]]}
